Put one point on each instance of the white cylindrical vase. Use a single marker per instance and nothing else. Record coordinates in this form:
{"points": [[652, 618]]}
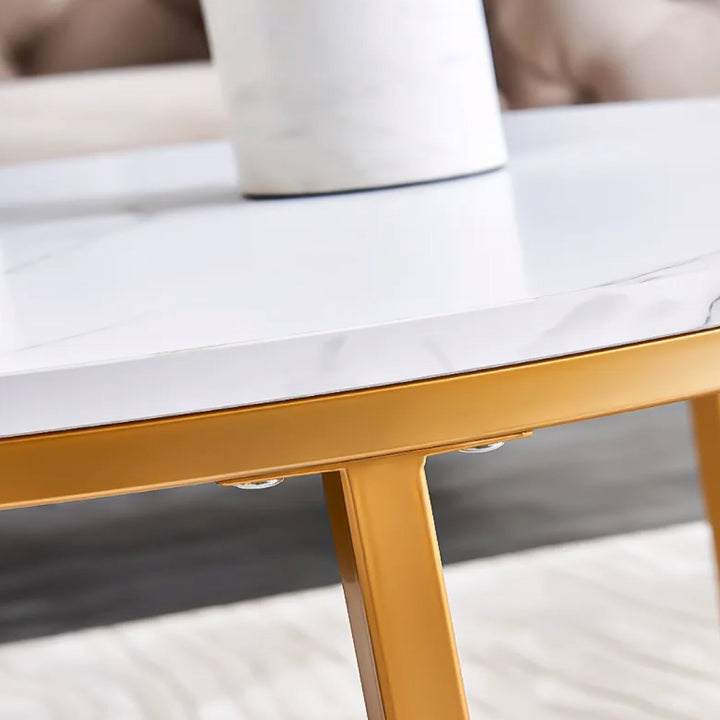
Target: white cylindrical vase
{"points": [[338, 95]]}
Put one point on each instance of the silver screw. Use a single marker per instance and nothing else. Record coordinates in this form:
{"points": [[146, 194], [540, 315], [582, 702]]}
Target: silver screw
{"points": [[260, 485], [482, 448]]}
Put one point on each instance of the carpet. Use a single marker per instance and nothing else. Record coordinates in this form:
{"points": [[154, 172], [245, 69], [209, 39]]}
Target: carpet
{"points": [[624, 627]]}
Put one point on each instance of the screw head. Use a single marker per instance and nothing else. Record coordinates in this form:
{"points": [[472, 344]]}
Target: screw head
{"points": [[482, 448], [260, 485]]}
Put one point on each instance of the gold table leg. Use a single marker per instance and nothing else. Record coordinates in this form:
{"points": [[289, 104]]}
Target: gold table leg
{"points": [[395, 591], [706, 416]]}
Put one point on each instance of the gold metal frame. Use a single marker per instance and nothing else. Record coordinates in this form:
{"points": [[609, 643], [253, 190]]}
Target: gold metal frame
{"points": [[706, 417], [395, 591], [371, 447], [325, 433]]}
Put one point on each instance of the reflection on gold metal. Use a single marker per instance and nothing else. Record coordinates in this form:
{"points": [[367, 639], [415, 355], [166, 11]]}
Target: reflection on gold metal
{"points": [[706, 416], [312, 470], [394, 588], [325, 433]]}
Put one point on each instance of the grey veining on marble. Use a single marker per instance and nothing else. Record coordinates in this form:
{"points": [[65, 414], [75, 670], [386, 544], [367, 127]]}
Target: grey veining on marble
{"points": [[604, 231]]}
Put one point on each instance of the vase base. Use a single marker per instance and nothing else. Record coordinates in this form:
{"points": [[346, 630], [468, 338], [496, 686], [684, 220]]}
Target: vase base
{"points": [[370, 188]]}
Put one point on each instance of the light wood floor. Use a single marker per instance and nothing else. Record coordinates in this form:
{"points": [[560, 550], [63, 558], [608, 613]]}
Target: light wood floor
{"points": [[623, 628]]}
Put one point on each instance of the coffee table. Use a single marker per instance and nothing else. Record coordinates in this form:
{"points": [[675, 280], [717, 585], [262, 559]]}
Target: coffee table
{"points": [[157, 331]]}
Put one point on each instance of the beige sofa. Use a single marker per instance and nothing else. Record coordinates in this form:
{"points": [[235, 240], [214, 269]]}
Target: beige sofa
{"points": [[552, 52], [547, 52], [109, 110], [60, 36]]}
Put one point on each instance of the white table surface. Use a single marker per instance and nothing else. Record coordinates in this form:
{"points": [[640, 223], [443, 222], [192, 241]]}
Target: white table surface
{"points": [[137, 285]]}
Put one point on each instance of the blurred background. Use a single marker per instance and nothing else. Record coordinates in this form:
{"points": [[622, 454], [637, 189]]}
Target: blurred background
{"points": [[162, 90], [80, 76]]}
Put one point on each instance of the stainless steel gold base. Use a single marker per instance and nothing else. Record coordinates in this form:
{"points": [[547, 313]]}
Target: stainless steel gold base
{"points": [[371, 447]]}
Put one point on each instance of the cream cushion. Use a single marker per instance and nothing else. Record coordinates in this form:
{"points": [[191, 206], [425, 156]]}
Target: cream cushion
{"points": [[551, 52], [80, 113]]}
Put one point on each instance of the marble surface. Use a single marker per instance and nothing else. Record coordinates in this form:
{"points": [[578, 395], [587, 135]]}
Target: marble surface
{"points": [[620, 628], [137, 285], [326, 96]]}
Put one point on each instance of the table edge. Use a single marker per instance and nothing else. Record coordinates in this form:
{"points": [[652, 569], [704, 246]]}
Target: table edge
{"points": [[323, 433]]}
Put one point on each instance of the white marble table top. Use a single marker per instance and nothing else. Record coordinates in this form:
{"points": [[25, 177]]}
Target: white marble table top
{"points": [[138, 285]]}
